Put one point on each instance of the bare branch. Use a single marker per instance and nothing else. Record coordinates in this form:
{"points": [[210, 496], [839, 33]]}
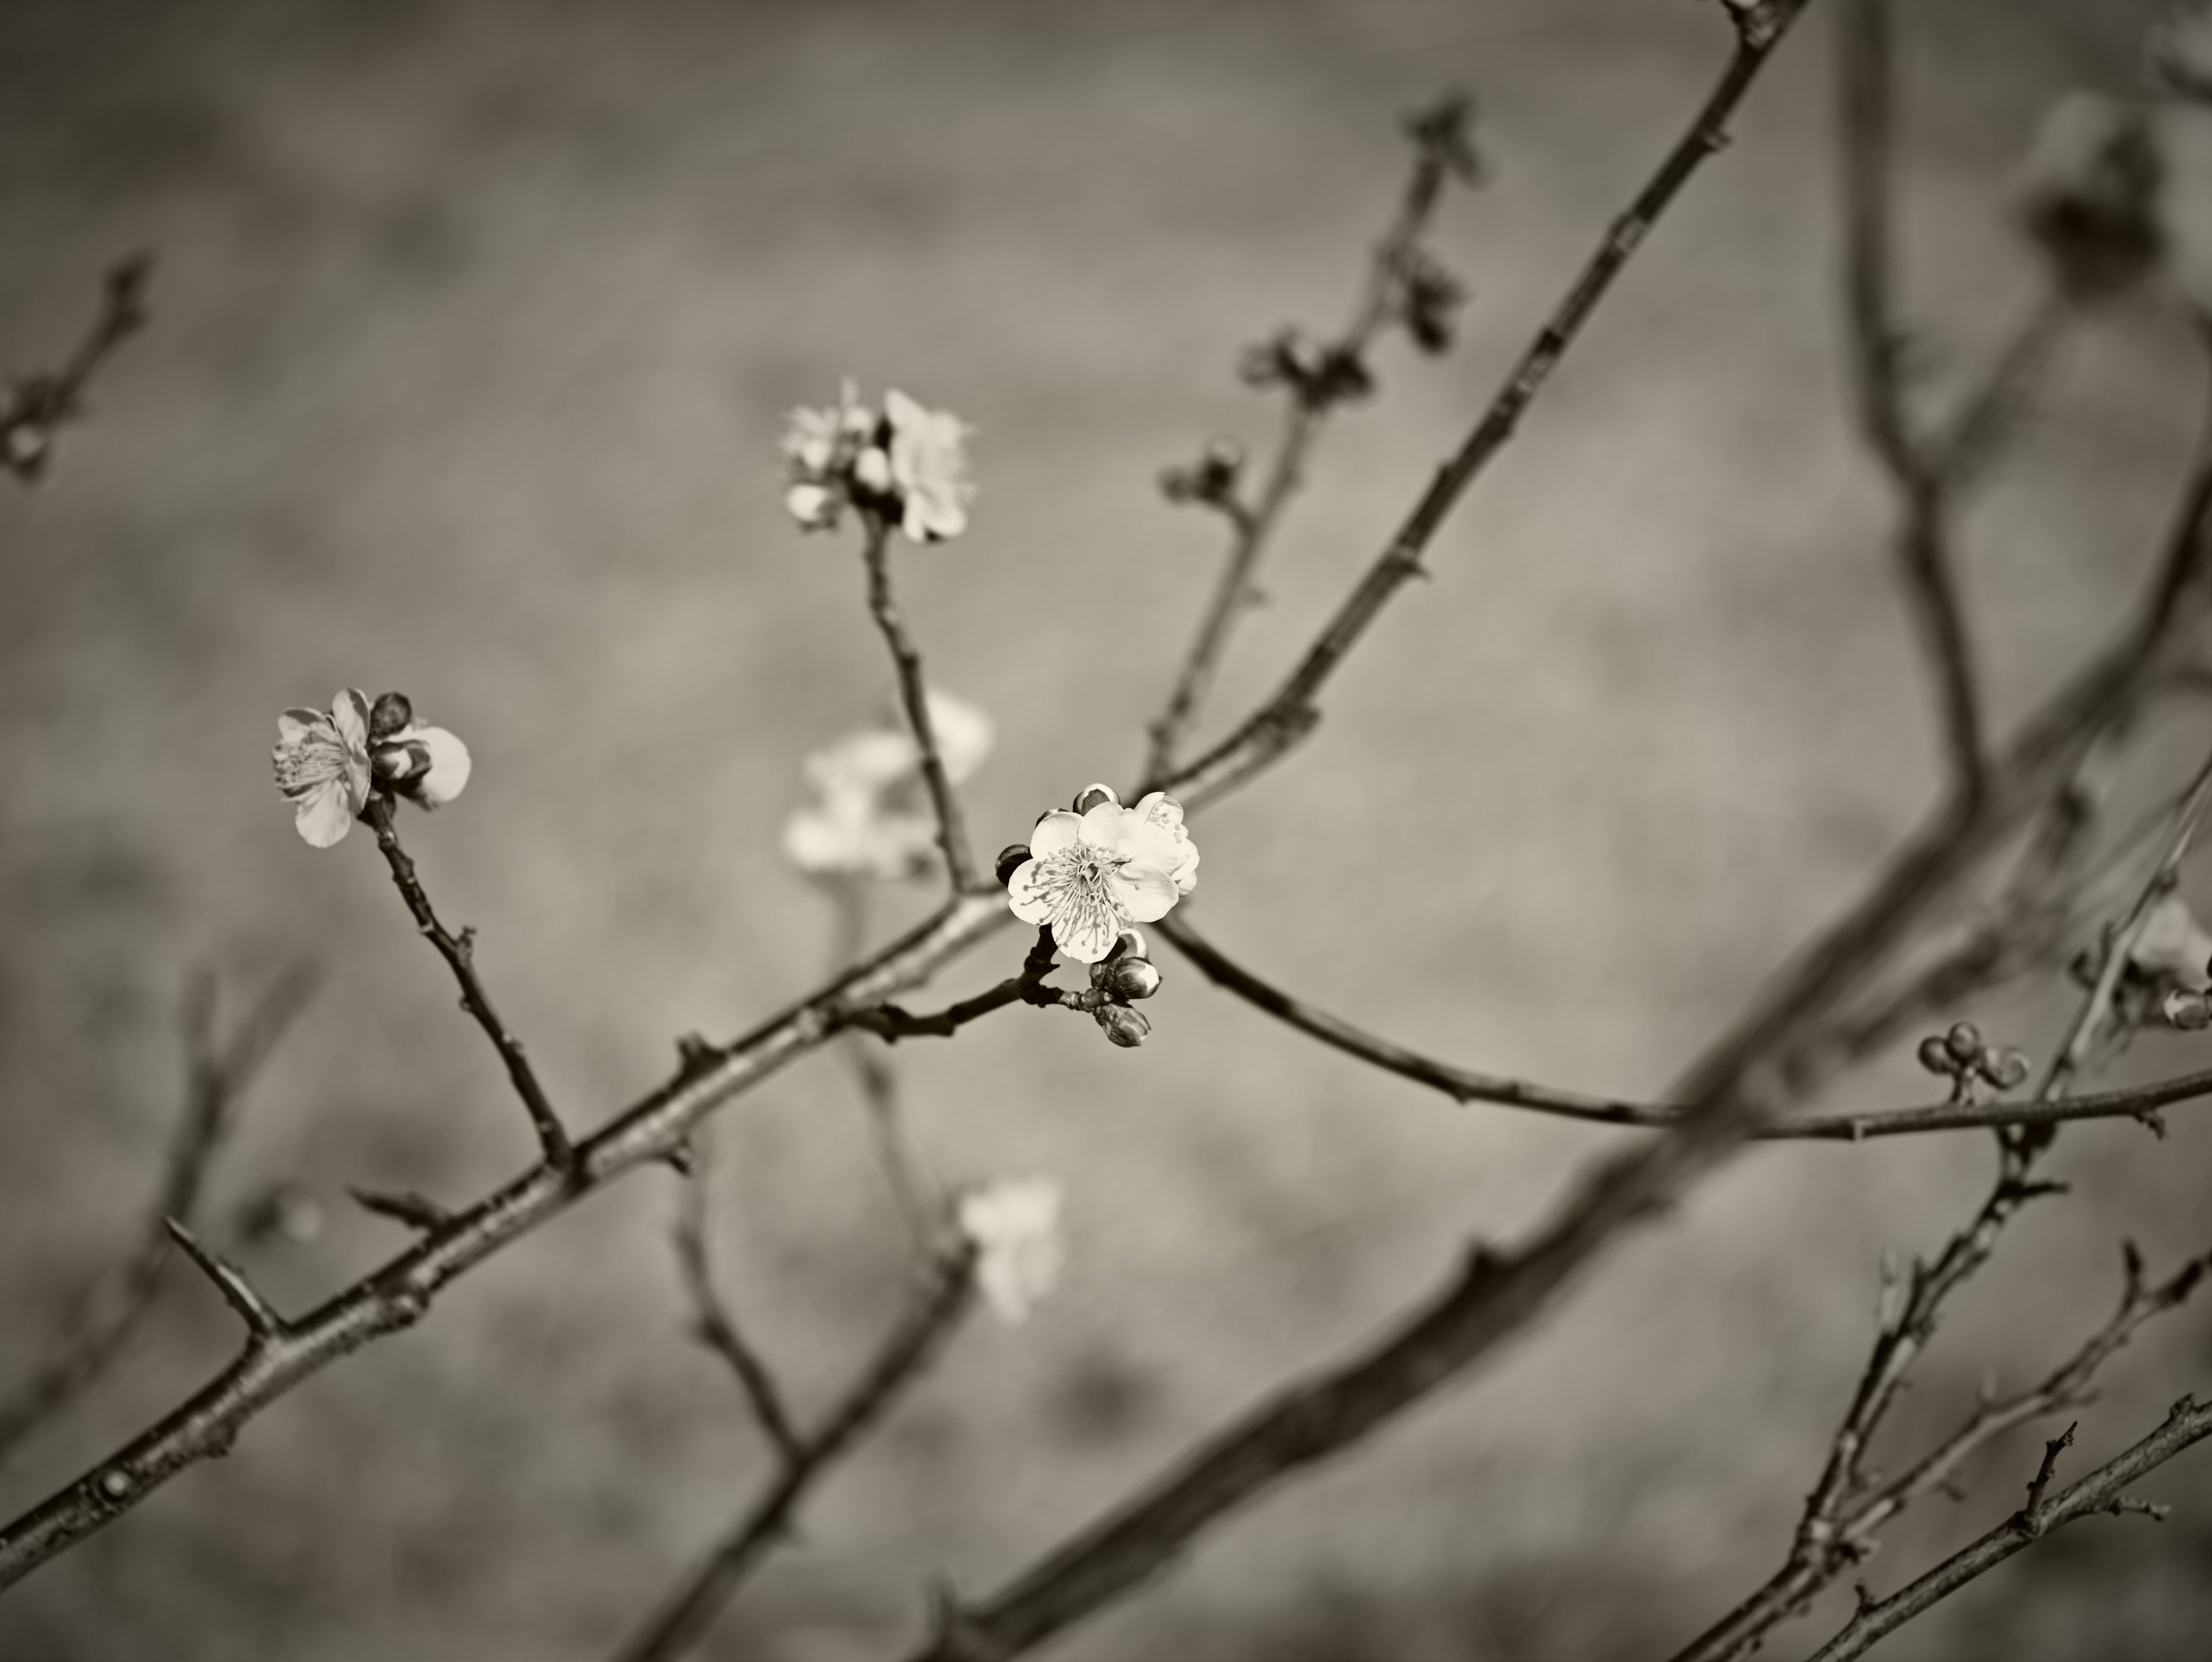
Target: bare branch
{"points": [[217, 1078], [712, 1321], [914, 1342], [415, 1211], [38, 406], [261, 1319], [460, 954], [1465, 1084], [943, 801], [1305, 413], [2101, 1491]]}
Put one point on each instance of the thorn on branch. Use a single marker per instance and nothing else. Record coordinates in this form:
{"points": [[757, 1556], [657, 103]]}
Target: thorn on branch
{"points": [[261, 1319], [404, 1207], [2026, 1518]]}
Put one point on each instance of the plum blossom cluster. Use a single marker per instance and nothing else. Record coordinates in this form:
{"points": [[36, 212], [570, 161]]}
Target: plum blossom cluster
{"points": [[1091, 870], [901, 465], [1014, 1227], [870, 818], [329, 763]]}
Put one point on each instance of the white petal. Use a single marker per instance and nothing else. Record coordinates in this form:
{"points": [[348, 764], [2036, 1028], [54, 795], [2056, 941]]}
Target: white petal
{"points": [[325, 815], [447, 775], [1145, 893], [349, 710], [1025, 898], [1057, 832]]}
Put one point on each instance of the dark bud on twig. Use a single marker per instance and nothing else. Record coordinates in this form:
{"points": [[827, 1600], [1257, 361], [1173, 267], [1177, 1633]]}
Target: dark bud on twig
{"points": [[1318, 376], [415, 1211], [1123, 1026], [1963, 1042], [1091, 796], [1211, 481], [1011, 859], [1444, 134], [388, 714], [1430, 300]]}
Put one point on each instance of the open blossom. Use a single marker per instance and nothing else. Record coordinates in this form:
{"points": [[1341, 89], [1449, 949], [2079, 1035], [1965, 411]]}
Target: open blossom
{"points": [[871, 818], [2173, 949], [1014, 1225], [1089, 875], [322, 765], [329, 763], [906, 463]]}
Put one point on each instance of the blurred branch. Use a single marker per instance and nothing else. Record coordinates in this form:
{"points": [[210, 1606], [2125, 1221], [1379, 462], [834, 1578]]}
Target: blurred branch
{"points": [[1465, 1084], [2103, 1490], [38, 406], [217, 1077], [711, 1320], [943, 801], [914, 1189], [915, 1341], [1441, 150], [460, 954]]}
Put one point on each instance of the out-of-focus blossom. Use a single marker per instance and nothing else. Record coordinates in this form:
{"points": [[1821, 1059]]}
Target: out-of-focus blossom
{"points": [[2088, 193], [2172, 950], [1091, 874], [870, 817], [905, 462], [1014, 1225], [322, 766], [2179, 50]]}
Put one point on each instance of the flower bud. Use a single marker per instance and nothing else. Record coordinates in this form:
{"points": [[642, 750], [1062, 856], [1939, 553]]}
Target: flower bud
{"points": [[1011, 859], [1127, 978], [1091, 795], [1125, 1026], [1935, 1055], [389, 713], [1964, 1042], [1129, 945], [872, 470], [2190, 1012], [2006, 1068]]}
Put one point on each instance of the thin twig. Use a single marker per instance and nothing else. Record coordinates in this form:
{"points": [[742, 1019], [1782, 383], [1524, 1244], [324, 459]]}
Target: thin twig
{"points": [[914, 1342], [1466, 1085], [943, 801], [1304, 415], [2101, 1491], [712, 1322], [914, 1188], [262, 1324], [38, 406], [459, 953], [1293, 711], [217, 1077]]}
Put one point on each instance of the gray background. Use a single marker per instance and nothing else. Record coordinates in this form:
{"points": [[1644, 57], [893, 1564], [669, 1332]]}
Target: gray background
{"points": [[475, 325]]}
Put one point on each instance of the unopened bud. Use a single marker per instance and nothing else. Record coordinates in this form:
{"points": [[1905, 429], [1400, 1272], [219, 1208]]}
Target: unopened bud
{"points": [[2190, 1012], [1127, 978], [2006, 1070], [388, 714], [1125, 1026], [1091, 795], [1011, 859], [1935, 1055], [1964, 1042], [1128, 943]]}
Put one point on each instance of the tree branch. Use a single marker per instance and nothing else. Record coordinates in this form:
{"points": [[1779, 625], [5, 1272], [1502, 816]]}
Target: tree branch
{"points": [[460, 954], [907, 1351], [38, 406], [217, 1077], [712, 1323], [2101, 1491], [262, 1324], [943, 801]]}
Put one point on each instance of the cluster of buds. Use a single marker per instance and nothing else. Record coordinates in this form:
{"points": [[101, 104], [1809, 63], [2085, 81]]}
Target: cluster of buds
{"points": [[1124, 976], [1209, 482], [1318, 375], [1971, 1065], [2088, 196]]}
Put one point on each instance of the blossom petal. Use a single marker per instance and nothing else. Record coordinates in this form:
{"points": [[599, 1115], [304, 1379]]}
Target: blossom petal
{"points": [[295, 725], [350, 712], [1101, 825], [1057, 833], [325, 815], [1085, 932], [447, 776], [1145, 893], [1027, 898]]}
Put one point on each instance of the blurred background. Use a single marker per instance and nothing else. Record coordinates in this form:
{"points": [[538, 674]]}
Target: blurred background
{"points": [[475, 325]]}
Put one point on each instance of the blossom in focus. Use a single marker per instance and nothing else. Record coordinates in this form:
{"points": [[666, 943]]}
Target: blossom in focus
{"points": [[870, 817], [2172, 950], [906, 463], [1091, 875], [322, 766], [1014, 1227], [329, 763]]}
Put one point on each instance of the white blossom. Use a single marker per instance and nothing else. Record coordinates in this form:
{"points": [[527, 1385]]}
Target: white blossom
{"points": [[1014, 1225]]}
